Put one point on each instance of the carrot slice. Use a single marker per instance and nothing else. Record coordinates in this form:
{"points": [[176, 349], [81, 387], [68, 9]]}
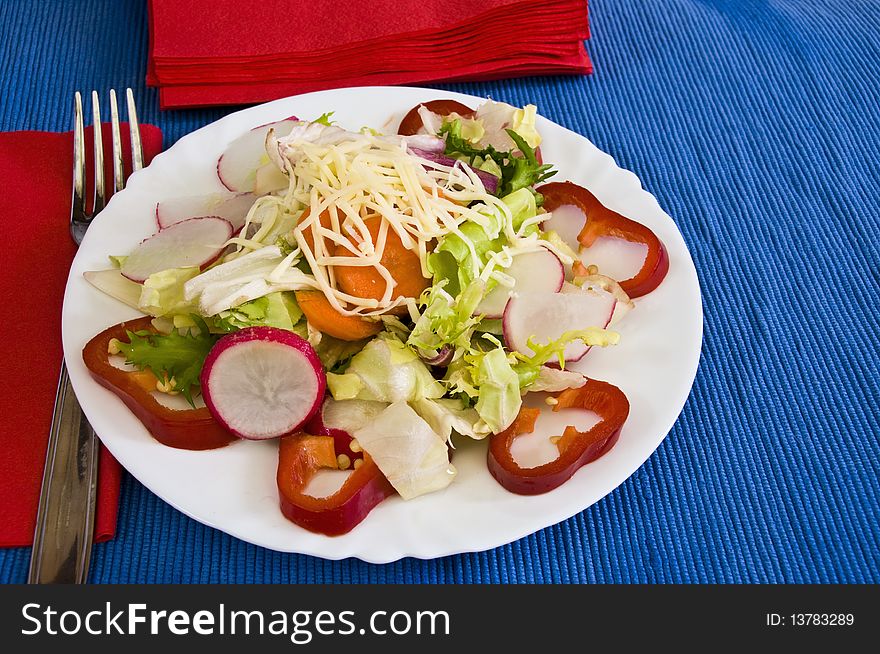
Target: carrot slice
{"points": [[323, 317], [366, 282], [307, 235]]}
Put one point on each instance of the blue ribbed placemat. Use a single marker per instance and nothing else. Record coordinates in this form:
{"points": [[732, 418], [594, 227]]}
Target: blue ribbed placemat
{"points": [[756, 125]]}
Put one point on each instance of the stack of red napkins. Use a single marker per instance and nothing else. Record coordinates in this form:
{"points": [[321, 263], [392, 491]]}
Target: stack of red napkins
{"points": [[229, 52]]}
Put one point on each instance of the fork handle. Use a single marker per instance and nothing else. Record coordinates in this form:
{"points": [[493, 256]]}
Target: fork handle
{"points": [[66, 515]]}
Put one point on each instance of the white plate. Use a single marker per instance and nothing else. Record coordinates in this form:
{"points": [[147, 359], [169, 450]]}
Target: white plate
{"points": [[233, 489]]}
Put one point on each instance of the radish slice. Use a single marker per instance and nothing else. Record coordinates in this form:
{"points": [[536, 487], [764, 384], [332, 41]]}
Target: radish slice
{"points": [[238, 164], [540, 271], [262, 382], [545, 317], [193, 242], [231, 207], [614, 257], [624, 304]]}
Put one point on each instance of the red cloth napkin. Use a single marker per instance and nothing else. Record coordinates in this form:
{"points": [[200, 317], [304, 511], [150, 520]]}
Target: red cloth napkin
{"points": [[230, 55], [35, 209]]}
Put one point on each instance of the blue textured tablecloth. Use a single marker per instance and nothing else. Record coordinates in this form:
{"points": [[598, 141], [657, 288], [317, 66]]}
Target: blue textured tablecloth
{"points": [[756, 125]]}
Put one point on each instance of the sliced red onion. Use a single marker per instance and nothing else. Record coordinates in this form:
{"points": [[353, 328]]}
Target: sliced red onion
{"points": [[490, 181], [442, 358]]}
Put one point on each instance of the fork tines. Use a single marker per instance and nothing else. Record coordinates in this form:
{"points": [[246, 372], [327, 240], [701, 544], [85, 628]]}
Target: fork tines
{"points": [[79, 213]]}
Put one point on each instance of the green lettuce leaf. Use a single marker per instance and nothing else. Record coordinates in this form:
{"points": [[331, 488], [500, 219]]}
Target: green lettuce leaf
{"points": [[444, 268], [516, 171], [335, 353], [494, 326], [488, 165], [522, 206], [175, 356], [524, 124], [529, 366], [278, 309], [446, 321], [525, 171], [499, 398], [552, 380], [452, 259], [349, 415], [162, 293], [386, 370], [494, 380], [324, 119], [448, 415]]}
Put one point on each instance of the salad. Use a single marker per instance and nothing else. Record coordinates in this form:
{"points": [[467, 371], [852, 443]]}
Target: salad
{"points": [[367, 299]]}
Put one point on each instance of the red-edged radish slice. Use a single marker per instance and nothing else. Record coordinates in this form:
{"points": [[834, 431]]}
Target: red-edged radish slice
{"points": [[231, 207], [539, 271], [193, 242], [262, 382], [614, 257], [545, 317], [238, 165], [624, 304]]}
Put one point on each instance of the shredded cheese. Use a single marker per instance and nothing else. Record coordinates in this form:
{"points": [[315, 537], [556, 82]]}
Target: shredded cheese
{"points": [[361, 177]]}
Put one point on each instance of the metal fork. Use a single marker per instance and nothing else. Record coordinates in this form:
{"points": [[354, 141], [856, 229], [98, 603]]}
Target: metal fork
{"points": [[66, 514]]}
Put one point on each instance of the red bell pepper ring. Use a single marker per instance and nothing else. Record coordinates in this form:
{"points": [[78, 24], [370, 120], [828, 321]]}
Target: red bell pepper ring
{"points": [[186, 429], [412, 122], [300, 456], [601, 221], [576, 448]]}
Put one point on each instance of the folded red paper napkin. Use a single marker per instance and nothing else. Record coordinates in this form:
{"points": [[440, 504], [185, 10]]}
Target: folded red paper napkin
{"points": [[208, 95], [35, 209], [281, 47]]}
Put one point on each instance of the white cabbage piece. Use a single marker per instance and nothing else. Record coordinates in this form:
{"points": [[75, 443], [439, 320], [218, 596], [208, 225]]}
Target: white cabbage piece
{"points": [[350, 415], [446, 416], [552, 380], [385, 371], [411, 455]]}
